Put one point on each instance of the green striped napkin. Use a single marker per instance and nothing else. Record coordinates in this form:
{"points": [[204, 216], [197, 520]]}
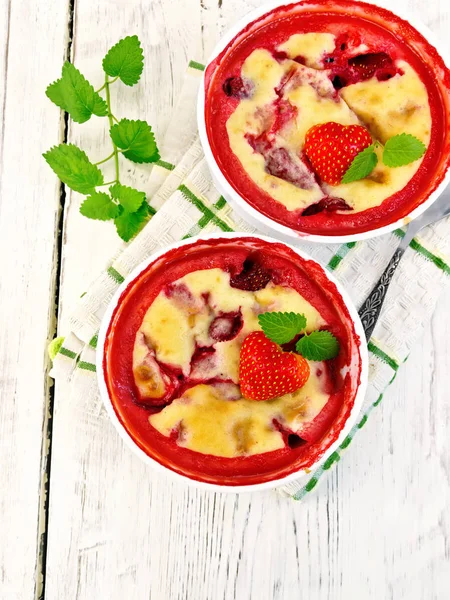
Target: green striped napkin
{"points": [[186, 203]]}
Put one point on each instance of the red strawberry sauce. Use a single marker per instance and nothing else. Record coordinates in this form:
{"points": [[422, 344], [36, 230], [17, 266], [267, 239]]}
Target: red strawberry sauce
{"points": [[287, 268], [351, 23]]}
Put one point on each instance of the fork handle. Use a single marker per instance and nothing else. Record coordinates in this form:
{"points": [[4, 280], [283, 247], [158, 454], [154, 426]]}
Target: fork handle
{"points": [[371, 309]]}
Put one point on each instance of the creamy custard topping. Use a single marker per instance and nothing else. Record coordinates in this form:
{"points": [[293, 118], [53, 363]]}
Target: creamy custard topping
{"points": [[241, 427], [310, 47], [196, 326], [267, 129], [252, 117]]}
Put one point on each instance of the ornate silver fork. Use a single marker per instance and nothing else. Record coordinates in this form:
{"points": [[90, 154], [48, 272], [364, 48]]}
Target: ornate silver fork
{"points": [[371, 309]]}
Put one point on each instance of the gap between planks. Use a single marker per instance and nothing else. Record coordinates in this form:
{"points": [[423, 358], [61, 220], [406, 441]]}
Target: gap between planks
{"points": [[49, 392]]}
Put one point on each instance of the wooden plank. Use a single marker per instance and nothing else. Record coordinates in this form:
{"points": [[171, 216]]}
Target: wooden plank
{"points": [[118, 530], [33, 45]]}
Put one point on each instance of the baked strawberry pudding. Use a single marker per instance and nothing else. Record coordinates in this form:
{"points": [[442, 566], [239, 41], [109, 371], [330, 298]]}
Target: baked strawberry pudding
{"points": [[329, 118], [232, 361]]}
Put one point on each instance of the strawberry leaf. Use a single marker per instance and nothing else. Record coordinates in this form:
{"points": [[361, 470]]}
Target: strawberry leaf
{"points": [[318, 345], [362, 165], [402, 149], [73, 168], [99, 206], [128, 197], [74, 94], [281, 327], [136, 140], [125, 60]]}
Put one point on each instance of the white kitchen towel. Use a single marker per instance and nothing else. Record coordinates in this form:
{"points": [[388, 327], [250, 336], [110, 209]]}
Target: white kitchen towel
{"points": [[186, 203]]}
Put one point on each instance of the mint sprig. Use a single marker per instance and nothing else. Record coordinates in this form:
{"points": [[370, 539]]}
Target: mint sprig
{"points": [[363, 164], [135, 140], [128, 224], [129, 198], [399, 150], [402, 149], [318, 345], [125, 60], [283, 327], [74, 94], [132, 138], [74, 168], [99, 206]]}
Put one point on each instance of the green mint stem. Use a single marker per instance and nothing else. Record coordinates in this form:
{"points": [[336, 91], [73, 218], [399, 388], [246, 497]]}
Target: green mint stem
{"points": [[111, 123], [100, 162], [104, 85], [107, 183]]}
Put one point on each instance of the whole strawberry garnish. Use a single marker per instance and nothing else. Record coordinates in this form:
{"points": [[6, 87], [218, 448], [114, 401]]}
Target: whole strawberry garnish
{"points": [[331, 148], [266, 372]]}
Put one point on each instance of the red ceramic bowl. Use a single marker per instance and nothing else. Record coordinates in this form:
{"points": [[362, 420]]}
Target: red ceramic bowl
{"points": [[227, 252], [352, 23]]}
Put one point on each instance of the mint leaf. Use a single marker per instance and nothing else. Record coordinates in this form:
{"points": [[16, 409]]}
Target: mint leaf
{"points": [[136, 140], [362, 165], [74, 94], [318, 345], [281, 327], [74, 168], [129, 224], [402, 149], [125, 60], [128, 197], [99, 206]]}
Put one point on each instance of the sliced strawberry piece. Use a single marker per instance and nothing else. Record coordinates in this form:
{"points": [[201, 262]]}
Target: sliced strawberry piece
{"points": [[266, 372], [253, 276], [328, 204], [260, 143], [154, 385], [331, 148], [203, 364], [207, 366], [301, 75], [281, 113], [279, 55], [280, 89], [366, 66], [236, 87], [283, 164], [387, 73], [285, 113], [226, 326], [182, 296], [280, 162], [345, 71]]}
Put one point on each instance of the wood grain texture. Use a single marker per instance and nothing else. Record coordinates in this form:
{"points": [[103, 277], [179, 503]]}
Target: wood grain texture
{"points": [[29, 205], [377, 528]]}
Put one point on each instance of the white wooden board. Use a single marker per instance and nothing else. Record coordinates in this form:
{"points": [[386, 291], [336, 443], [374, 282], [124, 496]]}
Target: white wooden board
{"points": [[33, 42]]}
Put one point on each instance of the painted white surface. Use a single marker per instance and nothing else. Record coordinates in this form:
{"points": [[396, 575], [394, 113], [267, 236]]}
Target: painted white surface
{"points": [[378, 528], [32, 46]]}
